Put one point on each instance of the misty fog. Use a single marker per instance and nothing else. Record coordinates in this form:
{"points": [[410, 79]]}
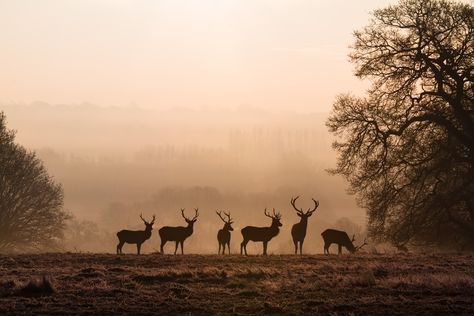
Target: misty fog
{"points": [[115, 163]]}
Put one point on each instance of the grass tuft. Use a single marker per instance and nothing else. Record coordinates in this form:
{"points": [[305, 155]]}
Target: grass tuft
{"points": [[37, 287]]}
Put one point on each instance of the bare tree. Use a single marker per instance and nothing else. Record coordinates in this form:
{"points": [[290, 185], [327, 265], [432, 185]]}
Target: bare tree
{"points": [[178, 234], [137, 237], [407, 148], [298, 231], [223, 235], [31, 203], [263, 234]]}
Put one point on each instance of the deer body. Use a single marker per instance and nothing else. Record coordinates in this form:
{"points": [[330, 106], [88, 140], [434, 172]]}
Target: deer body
{"points": [[298, 231], [263, 234], [137, 237], [223, 235], [333, 236], [177, 234]]}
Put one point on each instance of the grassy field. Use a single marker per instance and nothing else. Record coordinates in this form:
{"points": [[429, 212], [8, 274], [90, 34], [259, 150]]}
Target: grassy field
{"points": [[202, 285]]}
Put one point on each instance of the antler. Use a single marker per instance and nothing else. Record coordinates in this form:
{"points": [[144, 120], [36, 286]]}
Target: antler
{"points": [[293, 202], [228, 221], [182, 214], [187, 219], [300, 211], [220, 215], [274, 216], [228, 216], [197, 213], [152, 221], [364, 244], [316, 204]]}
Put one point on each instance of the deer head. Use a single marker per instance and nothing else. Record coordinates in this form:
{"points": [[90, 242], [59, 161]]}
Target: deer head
{"points": [[193, 220], [353, 248], [148, 225], [276, 217], [227, 223], [362, 245], [300, 212]]}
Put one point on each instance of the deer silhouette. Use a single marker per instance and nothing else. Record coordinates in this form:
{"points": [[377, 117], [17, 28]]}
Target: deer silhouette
{"points": [[178, 234], [298, 231], [263, 234], [137, 237], [223, 236], [339, 237]]}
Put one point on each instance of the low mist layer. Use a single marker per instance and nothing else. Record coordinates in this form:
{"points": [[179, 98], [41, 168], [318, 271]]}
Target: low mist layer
{"points": [[115, 163]]}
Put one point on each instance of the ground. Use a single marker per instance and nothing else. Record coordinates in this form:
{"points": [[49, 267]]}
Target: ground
{"points": [[209, 284]]}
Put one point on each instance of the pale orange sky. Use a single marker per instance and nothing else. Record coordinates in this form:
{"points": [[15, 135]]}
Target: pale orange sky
{"points": [[280, 54]]}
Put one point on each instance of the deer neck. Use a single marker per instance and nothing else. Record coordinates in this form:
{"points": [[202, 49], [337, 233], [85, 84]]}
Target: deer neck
{"points": [[189, 228], [147, 233], [304, 222], [274, 228]]}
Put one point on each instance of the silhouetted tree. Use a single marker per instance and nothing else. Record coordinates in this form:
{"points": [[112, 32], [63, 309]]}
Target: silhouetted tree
{"points": [[407, 148], [31, 214]]}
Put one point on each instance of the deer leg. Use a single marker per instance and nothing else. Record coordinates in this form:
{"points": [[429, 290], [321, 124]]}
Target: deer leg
{"points": [[301, 247], [138, 248], [176, 247], [119, 247], [243, 246], [326, 248], [163, 242], [182, 242], [219, 251], [296, 246], [228, 247], [339, 249], [265, 248], [223, 248]]}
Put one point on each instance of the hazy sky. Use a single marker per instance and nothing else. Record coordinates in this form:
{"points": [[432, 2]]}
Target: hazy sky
{"points": [[282, 54]]}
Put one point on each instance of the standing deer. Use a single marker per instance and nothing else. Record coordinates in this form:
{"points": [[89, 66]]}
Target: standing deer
{"points": [[135, 236], [223, 236], [333, 236], [178, 234], [263, 234], [298, 231]]}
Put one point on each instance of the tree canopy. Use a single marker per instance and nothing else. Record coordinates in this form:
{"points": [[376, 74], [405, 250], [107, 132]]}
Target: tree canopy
{"points": [[31, 203], [407, 147]]}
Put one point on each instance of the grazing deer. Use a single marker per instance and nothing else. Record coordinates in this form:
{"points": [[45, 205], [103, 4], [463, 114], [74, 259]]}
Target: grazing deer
{"points": [[333, 236], [135, 236], [298, 231], [178, 234], [223, 236], [263, 234]]}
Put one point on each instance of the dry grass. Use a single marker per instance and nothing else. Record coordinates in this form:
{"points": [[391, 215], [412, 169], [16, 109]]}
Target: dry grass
{"points": [[207, 285]]}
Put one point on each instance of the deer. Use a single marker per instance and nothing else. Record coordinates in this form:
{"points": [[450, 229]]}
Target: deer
{"points": [[178, 234], [137, 237], [263, 234], [298, 231], [339, 237], [223, 236]]}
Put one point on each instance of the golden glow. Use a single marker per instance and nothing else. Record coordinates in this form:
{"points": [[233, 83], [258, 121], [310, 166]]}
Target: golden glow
{"points": [[273, 54]]}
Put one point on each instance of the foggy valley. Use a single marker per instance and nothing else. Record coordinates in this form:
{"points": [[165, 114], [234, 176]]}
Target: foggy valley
{"points": [[115, 163], [328, 144]]}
